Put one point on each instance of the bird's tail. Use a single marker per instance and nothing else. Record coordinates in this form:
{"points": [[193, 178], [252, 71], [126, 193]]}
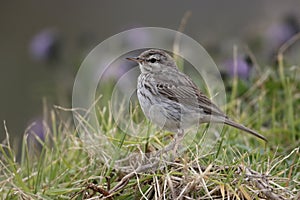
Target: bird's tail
{"points": [[244, 128]]}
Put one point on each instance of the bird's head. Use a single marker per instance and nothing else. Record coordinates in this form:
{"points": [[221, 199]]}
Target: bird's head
{"points": [[154, 60]]}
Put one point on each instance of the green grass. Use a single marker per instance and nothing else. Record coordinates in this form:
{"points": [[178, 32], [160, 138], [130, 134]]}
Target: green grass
{"points": [[235, 166]]}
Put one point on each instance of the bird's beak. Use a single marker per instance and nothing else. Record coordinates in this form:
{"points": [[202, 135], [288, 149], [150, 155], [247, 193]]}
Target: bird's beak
{"points": [[135, 59]]}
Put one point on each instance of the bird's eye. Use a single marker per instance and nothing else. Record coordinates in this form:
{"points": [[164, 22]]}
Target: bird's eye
{"points": [[153, 60]]}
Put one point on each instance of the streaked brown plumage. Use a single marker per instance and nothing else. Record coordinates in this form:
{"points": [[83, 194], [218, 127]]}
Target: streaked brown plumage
{"points": [[170, 99]]}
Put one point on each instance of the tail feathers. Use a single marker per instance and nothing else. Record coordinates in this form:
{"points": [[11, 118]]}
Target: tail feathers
{"points": [[244, 128]]}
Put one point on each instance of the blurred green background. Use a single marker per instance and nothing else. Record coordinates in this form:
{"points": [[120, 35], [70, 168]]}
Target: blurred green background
{"points": [[70, 29]]}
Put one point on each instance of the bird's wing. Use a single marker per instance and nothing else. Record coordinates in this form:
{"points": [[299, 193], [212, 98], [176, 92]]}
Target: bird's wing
{"points": [[179, 88]]}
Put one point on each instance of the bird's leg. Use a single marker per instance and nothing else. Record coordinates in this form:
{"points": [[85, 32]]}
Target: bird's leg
{"points": [[174, 144], [172, 147], [177, 140]]}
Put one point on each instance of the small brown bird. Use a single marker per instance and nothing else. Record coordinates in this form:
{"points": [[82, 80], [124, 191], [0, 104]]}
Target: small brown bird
{"points": [[171, 100]]}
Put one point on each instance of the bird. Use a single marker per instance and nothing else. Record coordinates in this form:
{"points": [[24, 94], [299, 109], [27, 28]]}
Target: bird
{"points": [[170, 99]]}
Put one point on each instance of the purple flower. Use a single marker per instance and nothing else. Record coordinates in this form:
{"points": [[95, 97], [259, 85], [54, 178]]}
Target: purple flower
{"points": [[242, 69], [36, 134], [278, 33], [45, 46]]}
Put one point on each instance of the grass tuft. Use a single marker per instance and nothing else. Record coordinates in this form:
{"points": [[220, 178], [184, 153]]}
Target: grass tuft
{"points": [[225, 165]]}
